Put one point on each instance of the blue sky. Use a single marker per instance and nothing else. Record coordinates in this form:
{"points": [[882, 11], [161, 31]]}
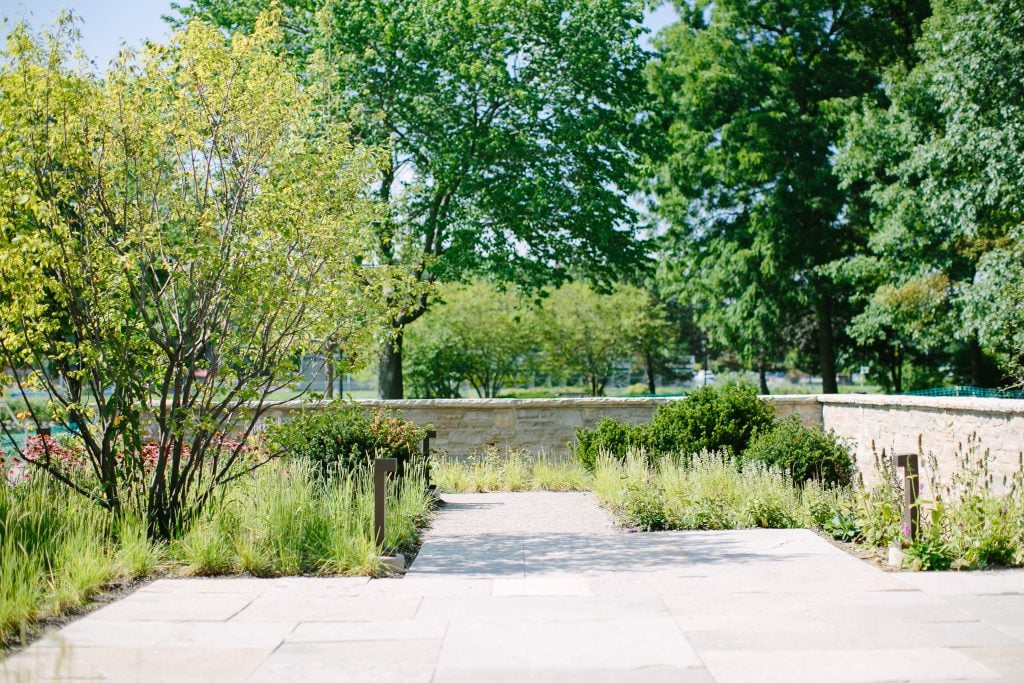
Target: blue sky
{"points": [[108, 23]]}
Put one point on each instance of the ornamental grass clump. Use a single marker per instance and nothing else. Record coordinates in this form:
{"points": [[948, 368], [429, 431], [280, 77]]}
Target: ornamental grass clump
{"points": [[707, 491], [286, 519], [509, 471], [56, 550]]}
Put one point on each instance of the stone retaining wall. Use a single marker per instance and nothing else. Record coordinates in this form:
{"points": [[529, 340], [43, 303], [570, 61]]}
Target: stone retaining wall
{"points": [[868, 423], [941, 428]]}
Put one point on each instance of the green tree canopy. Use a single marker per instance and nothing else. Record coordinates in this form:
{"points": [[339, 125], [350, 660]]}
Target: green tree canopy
{"points": [[474, 333], [938, 166], [589, 335], [513, 127], [747, 92]]}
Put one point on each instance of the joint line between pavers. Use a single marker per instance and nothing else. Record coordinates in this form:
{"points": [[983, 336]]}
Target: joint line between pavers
{"points": [[242, 609]]}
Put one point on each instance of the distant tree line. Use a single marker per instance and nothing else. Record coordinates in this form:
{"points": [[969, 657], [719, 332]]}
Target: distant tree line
{"points": [[486, 338], [835, 183]]}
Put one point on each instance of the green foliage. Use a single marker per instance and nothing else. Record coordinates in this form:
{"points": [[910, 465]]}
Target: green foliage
{"points": [[286, 519], [769, 514], [880, 512], [177, 234], [58, 549], [510, 471], [705, 492], [935, 165], [805, 452], [608, 437], [644, 508], [709, 419], [475, 333], [927, 554], [512, 148], [588, 335], [342, 438], [831, 509], [748, 94], [843, 526], [55, 550]]}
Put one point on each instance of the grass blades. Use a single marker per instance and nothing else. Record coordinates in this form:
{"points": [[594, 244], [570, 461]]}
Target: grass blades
{"points": [[509, 471], [57, 549], [287, 520]]}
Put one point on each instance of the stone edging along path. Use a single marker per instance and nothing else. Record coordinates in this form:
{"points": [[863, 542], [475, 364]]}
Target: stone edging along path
{"points": [[543, 587]]}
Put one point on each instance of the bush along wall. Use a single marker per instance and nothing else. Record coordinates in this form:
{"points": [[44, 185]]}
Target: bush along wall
{"points": [[730, 420], [344, 438]]}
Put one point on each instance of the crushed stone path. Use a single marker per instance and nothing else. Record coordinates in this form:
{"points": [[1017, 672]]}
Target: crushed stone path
{"points": [[543, 587]]}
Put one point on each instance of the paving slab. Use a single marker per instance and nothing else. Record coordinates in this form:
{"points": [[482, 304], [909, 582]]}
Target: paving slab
{"points": [[567, 644], [543, 587]]}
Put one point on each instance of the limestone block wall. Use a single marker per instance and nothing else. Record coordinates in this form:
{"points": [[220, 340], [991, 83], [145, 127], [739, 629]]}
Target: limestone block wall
{"points": [[467, 426], [869, 424], [941, 428]]}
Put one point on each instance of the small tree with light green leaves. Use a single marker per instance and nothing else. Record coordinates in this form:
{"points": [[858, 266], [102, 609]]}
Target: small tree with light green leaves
{"points": [[174, 235]]}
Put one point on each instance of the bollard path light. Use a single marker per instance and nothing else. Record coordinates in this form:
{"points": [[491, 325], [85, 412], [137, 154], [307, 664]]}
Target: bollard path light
{"points": [[381, 468], [911, 493]]}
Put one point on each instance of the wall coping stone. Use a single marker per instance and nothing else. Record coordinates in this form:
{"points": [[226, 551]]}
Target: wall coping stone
{"points": [[949, 403]]}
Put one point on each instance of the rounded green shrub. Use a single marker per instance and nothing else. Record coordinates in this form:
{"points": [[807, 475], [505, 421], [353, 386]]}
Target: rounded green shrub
{"points": [[709, 419], [807, 453], [344, 437], [609, 437]]}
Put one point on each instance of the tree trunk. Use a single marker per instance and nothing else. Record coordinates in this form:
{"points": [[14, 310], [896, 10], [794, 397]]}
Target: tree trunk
{"points": [[762, 376], [389, 377], [329, 367], [980, 375], [826, 345], [649, 363]]}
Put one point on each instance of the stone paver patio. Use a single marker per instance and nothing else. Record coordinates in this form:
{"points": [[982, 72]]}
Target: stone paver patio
{"points": [[541, 587]]}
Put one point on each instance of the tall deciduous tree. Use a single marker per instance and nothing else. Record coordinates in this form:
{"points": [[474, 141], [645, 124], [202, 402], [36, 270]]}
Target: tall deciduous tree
{"points": [[512, 124], [939, 165], [173, 237], [747, 92]]}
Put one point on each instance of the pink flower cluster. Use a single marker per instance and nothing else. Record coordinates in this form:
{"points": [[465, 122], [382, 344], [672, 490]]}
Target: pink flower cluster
{"points": [[69, 456], [64, 455]]}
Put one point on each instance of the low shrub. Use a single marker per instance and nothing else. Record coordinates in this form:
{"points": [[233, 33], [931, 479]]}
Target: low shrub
{"points": [[709, 419], [344, 438], [805, 452], [609, 437]]}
